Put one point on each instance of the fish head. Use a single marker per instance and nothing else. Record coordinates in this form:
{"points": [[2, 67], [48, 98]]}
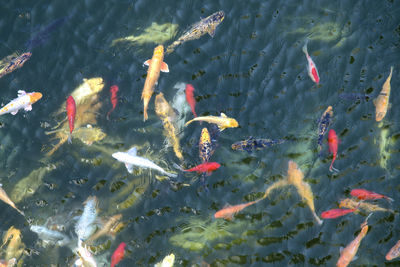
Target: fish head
{"points": [[95, 84], [214, 166], [35, 96], [159, 50], [189, 88], [236, 146], [232, 123], [219, 16], [114, 89], [37, 229], [379, 116], [70, 100], [119, 156], [205, 136]]}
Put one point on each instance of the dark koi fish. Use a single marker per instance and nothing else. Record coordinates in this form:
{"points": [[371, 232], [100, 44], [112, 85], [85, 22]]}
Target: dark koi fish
{"points": [[367, 195], [323, 125], [42, 36], [252, 143], [15, 63]]}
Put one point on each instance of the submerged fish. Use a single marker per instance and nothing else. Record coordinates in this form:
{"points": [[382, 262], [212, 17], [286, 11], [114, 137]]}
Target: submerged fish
{"points": [[23, 101], [394, 252], [86, 258], [367, 195], [382, 101], [333, 142], [130, 159], [190, 98], [323, 125], [228, 212], [113, 98], [222, 121], [167, 116], [181, 107], [312, 69], [106, 229], [118, 254], [206, 25], [14, 63], [42, 36], [50, 236], [8, 263], [4, 197], [155, 64], [15, 247], [252, 143], [368, 207], [84, 228], [205, 146], [168, 261], [334, 213], [207, 167], [71, 111]]}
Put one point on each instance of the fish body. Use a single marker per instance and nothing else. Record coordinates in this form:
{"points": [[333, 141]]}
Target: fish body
{"points": [[168, 261], [15, 247], [312, 69], [118, 254], [333, 147], [23, 101], [367, 195], [71, 112], [106, 229], [43, 35], [252, 143], [15, 63], [113, 98], [189, 91], [382, 101], [167, 116], [206, 25], [8, 263], [335, 213], [323, 125], [86, 258], [368, 207], [348, 253], [51, 236], [222, 121], [130, 159], [394, 252], [84, 228], [207, 167], [155, 65], [4, 197], [205, 146], [228, 212]]}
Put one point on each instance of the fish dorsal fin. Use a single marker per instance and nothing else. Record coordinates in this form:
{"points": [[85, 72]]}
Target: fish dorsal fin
{"points": [[132, 151], [21, 93], [129, 167], [223, 115], [164, 67]]}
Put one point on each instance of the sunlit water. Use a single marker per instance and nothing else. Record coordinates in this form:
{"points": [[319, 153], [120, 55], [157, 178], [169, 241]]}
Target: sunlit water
{"points": [[252, 70]]}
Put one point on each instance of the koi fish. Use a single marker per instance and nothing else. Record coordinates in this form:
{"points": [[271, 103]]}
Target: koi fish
{"points": [[118, 254], [252, 143], [277, 184], [295, 177], [114, 99], [8, 263], [333, 146], [334, 213], [394, 252], [167, 116], [228, 212], [24, 100], [352, 204], [43, 35], [131, 159], [106, 229], [15, 63], [205, 146], [4, 197], [207, 167], [15, 246], [382, 101], [168, 261], [155, 64], [206, 25], [367, 195], [50, 236], [222, 121], [312, 69], [324, 124], [348, 253], [71, 111], [86, 258], [190, 98], [84, 228]]}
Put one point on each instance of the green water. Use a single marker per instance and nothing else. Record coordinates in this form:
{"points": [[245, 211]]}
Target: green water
{"points": [[253, 70]]}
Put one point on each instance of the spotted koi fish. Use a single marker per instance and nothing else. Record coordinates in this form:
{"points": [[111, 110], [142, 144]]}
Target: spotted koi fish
{"points": [[323, 125], [15, 63], [206, 25], [23, 101], [252, 143], [205, 146]]}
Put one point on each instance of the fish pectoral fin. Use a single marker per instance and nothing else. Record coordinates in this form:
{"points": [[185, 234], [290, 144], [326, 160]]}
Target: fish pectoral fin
{"points": [[211, 31], [14, 112], [147, 63], [129, 167], [164, 67], [28, 108], [132, 151], [21, 93], [223, 115]]}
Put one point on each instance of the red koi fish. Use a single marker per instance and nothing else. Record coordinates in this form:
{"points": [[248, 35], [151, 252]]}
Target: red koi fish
{"points": [[312, 69], [394, 252], [228, 212], [114, 99], [118, 254], [190, 98], [71, 111], [367, 195], [207, 167], [334, 213], [333, 146]]}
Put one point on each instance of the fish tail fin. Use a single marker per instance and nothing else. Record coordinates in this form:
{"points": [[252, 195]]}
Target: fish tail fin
{"points": [[319, 221], [333, 169], [70, 138], [389, 198], [108, 115], [21, 212], [305, 51], [145, 117]]}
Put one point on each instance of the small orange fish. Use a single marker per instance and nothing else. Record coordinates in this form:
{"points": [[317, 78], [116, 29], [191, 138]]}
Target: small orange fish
{"points": [[228, 212]]}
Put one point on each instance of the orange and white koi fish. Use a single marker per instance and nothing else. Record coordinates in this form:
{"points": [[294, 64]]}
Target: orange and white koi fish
{"points": [[24, 100], [382, 101], [4, 197], [228, 212], [155, 65], [222, 121], [312, 69], [348, 253], [394, 252]]}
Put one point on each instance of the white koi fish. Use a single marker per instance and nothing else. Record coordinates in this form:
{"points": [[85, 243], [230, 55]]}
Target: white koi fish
{"points": [[50, 236], [86, 258], [24, 100], [84, 228], [312, 69], [131, 159]]}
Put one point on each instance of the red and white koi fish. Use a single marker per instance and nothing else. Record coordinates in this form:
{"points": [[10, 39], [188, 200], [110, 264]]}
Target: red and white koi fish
{"points": [[24, 100], [312, 69], [71, 111], [394, 252], [114, 99], [228, 212], [333, 147], [118, 254], [335, 213], [190, 98], [207, 167], [367, 195]]}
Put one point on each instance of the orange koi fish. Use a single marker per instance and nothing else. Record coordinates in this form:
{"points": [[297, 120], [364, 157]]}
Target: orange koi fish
{"points": [[367, 195], [394, 252], [228, 212], [155, 65], [71, 111], [333, 146], [348, 253], [382, 101], [113, 98]]}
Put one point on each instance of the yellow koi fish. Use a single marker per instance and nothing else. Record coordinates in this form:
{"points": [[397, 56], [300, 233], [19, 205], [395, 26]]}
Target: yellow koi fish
{"points": [[155, 65], [222, 121], [382, 101], [353, 204], [166, 114], [15, 247]]}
